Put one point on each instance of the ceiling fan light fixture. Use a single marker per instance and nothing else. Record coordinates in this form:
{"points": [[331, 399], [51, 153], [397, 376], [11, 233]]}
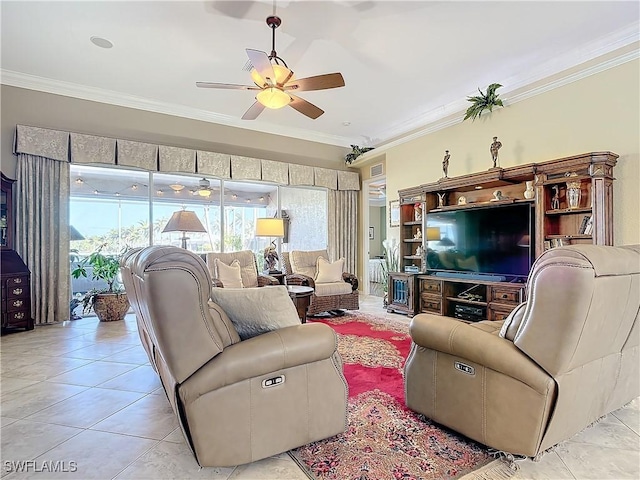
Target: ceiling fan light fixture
{"points": [[273, 98]]}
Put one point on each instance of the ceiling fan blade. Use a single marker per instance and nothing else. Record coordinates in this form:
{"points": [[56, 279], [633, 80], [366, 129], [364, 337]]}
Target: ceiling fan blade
{"points": [[262, 64], [253, 112], [319, 82], [305, 108], [228, 86]]}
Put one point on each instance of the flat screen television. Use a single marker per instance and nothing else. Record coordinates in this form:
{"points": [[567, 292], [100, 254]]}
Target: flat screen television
{"points": [[492, 241]]}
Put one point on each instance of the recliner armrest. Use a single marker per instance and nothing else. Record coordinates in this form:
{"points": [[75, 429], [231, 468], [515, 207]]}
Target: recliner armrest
{"points": [[273, 351], [451, 336], [352, 279]]}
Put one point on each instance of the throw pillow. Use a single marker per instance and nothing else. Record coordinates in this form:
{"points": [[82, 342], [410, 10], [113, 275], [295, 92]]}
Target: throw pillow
{"points": [[254, 311], [229, 275], [327, 272]]}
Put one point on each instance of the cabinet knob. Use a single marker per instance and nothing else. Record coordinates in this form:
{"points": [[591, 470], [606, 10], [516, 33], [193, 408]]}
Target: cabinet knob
{"points": [[19, 316], [17, 280], [17, 303], [17, 291], [504, 295]]}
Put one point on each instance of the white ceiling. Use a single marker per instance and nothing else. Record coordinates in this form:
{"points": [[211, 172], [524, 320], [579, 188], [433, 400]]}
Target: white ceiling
{"points": [[404, 63]]}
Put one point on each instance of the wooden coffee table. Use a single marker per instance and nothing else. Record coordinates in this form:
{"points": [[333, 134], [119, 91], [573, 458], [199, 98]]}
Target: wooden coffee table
{"points": [[301, 297]]}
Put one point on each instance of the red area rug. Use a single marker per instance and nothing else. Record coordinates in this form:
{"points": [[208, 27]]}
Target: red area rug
{"points": [[384, 439]]}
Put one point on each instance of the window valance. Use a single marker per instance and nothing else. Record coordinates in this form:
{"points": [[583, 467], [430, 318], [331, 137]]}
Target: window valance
{"points": [[89, 149]]}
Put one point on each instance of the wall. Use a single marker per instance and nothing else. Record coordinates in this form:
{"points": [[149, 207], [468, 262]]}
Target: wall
{"points": [[375, 245], [597, 113], [39, 109]]}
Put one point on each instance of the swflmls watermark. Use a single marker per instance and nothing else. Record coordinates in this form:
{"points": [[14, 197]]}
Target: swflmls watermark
{"points": [[40, 466]]}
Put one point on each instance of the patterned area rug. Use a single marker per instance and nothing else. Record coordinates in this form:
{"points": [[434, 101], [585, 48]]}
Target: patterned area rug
{"points": [[384, 439]]}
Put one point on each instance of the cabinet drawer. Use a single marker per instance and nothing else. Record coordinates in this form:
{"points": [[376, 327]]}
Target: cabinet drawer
{"points": [[14, 304], [434, 286], [17, 281], [17, 318], [505, 295], [18, 291], [499, 314], [430, 304]]}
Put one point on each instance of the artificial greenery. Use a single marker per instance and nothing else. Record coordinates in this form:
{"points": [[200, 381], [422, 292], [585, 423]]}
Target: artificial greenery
{"points": [[106, 268], [356, 151], [483, 102]]}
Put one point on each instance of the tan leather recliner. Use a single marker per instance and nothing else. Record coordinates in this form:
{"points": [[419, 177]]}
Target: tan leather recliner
{"points": [[562, 360], [248, 268], [218, 386]]}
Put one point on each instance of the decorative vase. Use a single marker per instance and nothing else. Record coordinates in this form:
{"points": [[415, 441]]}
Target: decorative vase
{"points": [[111, 307], [573, 194], [529, 193]]}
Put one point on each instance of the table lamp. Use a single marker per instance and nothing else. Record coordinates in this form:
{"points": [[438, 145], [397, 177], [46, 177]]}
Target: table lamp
{"points": [[184, 221], [270, 227]]}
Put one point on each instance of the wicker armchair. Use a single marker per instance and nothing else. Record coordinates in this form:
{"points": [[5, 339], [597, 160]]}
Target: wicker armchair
{"points": [[248, 269], [300, 267]]}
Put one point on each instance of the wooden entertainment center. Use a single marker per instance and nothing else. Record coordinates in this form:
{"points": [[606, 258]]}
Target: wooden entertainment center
{"points": [[571, 202]]}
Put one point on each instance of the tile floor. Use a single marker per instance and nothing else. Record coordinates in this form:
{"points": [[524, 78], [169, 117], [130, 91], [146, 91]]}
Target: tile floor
{"points": [[84, 392]]}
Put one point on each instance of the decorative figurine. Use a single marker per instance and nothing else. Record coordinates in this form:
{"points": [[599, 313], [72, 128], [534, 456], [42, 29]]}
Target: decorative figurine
{"points": [[441, 199], [418, 234], [417, 212], [445, 163], [497, 195], [462, 200], [419, 251], [555, 200], [495, 146]]}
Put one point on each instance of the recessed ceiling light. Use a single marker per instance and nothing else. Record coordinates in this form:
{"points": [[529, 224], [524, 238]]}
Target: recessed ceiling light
{"points": [[346, 124], [101, 42]]}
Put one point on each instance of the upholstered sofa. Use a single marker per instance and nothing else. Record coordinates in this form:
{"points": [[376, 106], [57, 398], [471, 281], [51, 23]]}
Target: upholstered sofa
{"points": [[328, 296], [221, 268], [237, 401], [559, 362]]}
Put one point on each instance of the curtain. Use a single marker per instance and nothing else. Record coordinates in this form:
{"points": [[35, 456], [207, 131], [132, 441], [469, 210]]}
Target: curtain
{"points": [[343, 227], [42, 233]]}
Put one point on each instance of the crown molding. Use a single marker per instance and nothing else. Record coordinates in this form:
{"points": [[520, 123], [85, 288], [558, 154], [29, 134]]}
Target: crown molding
{"points": [[452, 113], [68, 89], [548, 70]]}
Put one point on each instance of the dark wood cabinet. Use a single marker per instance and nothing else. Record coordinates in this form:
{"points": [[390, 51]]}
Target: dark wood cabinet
{"points": [[15, 277], [564, 196], [402, 293]]}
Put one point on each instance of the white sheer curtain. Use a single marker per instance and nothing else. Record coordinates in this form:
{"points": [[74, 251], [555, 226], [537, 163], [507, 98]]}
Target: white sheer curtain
{"points": [[42, 233], [343, 227]]}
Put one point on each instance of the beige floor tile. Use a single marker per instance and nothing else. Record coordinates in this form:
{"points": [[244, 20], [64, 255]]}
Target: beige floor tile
{"points": [[29, 400], [586, 461], [11, 384], [611, 435], [11, 361], [98, 351], [142, 379], [630, 416], [86, 408], [149, 417], [93, 373], [25, 440], [175, 437], [550, 467], [133, 355], [171, 461], [269, 469], [98, 455], [4, 421], [48, 368]]}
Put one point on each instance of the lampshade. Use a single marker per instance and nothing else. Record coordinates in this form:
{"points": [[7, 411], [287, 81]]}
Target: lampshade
{"points": [[281, 73], [184, 221], [74, 234], [269, 227], [433, 233], [273, 98]]}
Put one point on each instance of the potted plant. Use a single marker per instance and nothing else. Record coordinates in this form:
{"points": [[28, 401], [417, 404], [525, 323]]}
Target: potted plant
{"points": [[391, 263], [110, 304], [482, 102], [355, 152]]}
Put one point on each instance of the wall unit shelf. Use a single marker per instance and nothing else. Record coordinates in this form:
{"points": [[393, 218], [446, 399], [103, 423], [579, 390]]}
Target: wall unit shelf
{"points": [[569, 194]]}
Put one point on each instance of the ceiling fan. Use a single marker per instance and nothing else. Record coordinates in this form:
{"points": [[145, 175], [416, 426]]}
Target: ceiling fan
{"points": [[275, 82]]}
